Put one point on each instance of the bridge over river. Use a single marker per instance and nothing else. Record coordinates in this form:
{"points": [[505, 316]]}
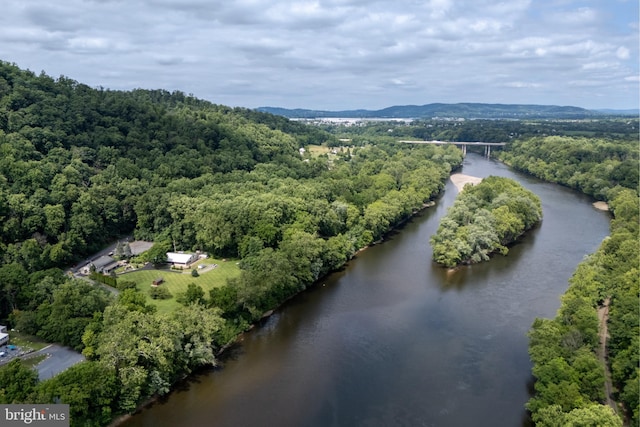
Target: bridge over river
{"points": [[487, 145]]}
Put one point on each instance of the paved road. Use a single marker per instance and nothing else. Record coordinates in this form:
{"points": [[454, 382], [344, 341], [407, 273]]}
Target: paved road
{"points": [[60, 358], [111, 248]]}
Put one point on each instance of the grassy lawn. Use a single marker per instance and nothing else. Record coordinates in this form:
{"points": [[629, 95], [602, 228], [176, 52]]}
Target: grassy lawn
{"points": [[176, 281], [31, 362], [318, 150], [26, 341]]}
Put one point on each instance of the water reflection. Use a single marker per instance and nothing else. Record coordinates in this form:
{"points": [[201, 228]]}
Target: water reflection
{"points": [[465, 275]]}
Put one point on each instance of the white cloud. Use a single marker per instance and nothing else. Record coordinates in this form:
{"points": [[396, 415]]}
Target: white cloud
{"points": [[600, 65], [581, 16], [623, 53], [523, 84], [585, 83], [89, 43], [438, 9], [332, 53]]}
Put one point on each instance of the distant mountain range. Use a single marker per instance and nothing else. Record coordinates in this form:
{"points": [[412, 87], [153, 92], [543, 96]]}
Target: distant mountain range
{"points": [[463, 110], [631, 112]]}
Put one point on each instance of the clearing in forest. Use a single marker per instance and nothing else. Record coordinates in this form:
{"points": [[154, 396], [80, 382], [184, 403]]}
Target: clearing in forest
{"points": [[176, 281]]}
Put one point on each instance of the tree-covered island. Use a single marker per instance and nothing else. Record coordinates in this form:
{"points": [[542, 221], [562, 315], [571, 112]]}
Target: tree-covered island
{"points": [[484, 219]]}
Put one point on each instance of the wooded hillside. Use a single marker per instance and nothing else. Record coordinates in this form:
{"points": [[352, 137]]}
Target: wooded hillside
{"points": [[593, 166], [81, 166]]}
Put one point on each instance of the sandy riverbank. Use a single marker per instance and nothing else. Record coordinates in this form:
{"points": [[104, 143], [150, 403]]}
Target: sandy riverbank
{"points": [[603, 206], [460, 180]]}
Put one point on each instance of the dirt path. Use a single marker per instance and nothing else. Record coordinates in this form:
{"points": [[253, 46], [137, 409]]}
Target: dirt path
{"points": [[603, 332]]}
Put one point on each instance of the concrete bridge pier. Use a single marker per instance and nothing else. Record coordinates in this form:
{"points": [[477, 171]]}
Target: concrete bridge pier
{"points": [[487, 151]]}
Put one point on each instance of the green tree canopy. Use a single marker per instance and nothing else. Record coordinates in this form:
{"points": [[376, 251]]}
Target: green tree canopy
{"points": [[483, 220]]}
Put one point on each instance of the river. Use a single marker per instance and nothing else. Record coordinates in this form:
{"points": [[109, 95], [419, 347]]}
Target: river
{"points": [[394, 340]]}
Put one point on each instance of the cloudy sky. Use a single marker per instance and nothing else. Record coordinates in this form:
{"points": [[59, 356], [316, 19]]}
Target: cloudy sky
{"points": [[337, 54]]}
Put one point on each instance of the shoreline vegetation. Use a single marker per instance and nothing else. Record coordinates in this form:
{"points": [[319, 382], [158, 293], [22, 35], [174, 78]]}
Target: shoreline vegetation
{"points": [[572, 354], [119, 420], [381, 217], [585, 360]]}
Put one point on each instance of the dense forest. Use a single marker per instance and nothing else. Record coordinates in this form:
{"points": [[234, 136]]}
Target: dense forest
{"points": [[593, 166], [568, 361], [484, 219], [81, 167]]}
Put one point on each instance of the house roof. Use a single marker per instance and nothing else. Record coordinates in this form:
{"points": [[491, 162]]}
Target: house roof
{"points": [[179, 258], [102, 262]]}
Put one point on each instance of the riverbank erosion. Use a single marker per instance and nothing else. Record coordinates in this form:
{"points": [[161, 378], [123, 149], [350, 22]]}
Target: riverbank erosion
{"points": [[489, 215]]}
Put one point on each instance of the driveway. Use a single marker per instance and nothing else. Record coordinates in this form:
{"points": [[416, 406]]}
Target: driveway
{"points": [[60, 358]]}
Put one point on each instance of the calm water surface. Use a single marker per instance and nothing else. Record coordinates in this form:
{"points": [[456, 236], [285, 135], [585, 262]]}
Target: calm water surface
{"points": [[393, 340]]}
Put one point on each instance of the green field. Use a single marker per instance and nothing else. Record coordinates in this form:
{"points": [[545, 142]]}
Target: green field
{"points": [[176, 281], [318, 150], [31, 362], [26, 342]]}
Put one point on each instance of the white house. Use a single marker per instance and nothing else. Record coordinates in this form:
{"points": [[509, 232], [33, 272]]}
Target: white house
{"points": [[4, 336], [181, 259]]}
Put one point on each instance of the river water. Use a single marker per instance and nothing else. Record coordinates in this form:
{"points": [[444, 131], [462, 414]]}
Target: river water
{"points": [[394, 340]]}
